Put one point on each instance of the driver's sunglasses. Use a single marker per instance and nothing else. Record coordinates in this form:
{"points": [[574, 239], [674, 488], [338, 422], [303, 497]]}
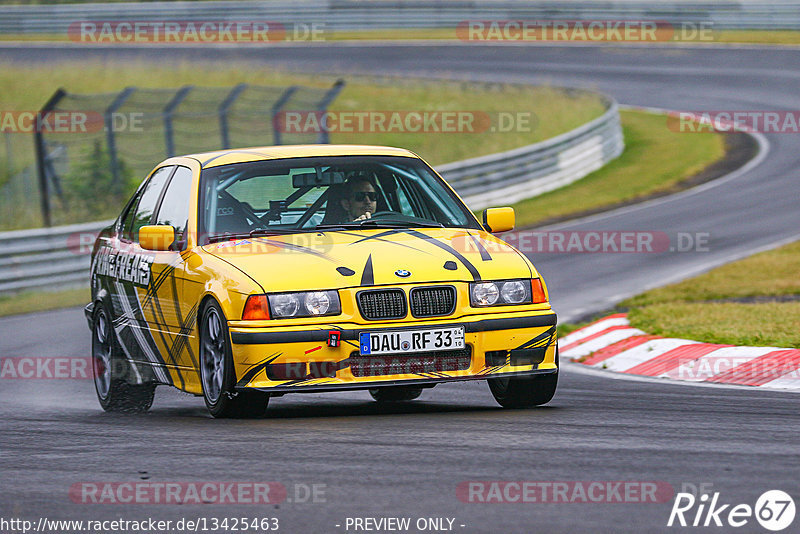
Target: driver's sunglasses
{"points": [[359, 196]]}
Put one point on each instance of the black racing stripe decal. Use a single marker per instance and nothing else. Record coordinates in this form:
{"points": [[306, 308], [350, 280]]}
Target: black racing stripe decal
{"points": [[380, 236], [541, 340], [161, 327], [253, 371], [485, 256], [470, 267], [139, 338], [156, 284], [203, 164], [186, 326], [367, 277]]}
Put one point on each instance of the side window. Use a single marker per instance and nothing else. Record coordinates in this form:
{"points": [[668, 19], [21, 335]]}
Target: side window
{"points": [[174, 210], [148, 200], [127, 221]]}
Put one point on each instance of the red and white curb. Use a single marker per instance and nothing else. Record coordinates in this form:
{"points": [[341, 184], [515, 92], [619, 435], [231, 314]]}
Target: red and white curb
{"points": [[611, 343]]}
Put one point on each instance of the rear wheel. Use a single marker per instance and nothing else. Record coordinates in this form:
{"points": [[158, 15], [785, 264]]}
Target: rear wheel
{"points": [[524, 391], [217, 373], [395, 393], [108, 365]]}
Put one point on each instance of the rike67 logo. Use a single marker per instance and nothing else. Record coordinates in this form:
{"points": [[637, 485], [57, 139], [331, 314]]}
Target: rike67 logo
{"points": [[774, 510]]}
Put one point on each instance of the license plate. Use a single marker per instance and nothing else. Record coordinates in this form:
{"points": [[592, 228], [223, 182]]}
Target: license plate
{"points": [[400, 341]]}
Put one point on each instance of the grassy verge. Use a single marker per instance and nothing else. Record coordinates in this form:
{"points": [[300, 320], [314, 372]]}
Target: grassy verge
{"points": [[41, 301], [754, 301], [776, 37], [647, 166]]}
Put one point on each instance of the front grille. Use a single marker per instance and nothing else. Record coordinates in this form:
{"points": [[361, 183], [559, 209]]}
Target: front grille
{"points": [[433, 301], [380, 304], [401, 364]]}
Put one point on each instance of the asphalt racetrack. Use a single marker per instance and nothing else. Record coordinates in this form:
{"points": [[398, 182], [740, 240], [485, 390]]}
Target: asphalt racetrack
{"points": [[409, 461]]}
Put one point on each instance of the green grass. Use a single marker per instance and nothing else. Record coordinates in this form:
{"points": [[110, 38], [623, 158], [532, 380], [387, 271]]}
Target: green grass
{"points": [[697, 308], [779, 37], [772, 273], [35, 301], [775, 324], [648, 165]]}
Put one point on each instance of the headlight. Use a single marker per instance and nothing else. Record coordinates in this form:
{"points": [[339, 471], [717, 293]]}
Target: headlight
{"points": [[515, 292], [317, 303], [502, 292], [484, 294], [305, 304], [286, 305]]}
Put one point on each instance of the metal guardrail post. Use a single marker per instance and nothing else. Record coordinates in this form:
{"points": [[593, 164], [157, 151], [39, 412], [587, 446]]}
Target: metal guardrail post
{"points": [[223, 109], [324, 136], [108, 119], [276, 108], [41, 156], [168, 110]]}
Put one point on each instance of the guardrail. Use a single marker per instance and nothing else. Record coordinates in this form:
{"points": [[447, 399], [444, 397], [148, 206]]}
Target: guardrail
{"points": [[529, 171], [360, 15], [46, 257], [58, 257]]}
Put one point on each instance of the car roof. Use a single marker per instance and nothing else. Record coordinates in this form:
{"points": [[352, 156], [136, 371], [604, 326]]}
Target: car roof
{"points": [[241, 155]]}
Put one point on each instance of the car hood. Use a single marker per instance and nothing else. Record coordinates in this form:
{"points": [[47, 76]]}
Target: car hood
{"points": [[337, 259]]}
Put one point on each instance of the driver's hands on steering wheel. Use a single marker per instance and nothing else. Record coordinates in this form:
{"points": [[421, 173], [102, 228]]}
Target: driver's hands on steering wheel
{"points": [[364, 217]]}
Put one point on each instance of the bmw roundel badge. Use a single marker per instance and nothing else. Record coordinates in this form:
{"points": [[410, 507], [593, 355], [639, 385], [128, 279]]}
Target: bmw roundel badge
{"points": [[402, 273]]}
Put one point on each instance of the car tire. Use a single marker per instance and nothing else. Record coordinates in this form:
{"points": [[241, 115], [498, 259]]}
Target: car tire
{"points": [[395, 393], [524, 391], [113, 391], [217, 374]]}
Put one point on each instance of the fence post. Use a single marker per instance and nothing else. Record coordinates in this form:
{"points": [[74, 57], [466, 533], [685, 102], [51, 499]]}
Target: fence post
{"points": [[223, 109], [108, 118], [324, 136], [276, 108], [41, 156], [168, 110]]}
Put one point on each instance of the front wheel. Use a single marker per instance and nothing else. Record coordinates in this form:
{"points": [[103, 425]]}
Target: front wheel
{"points": [[113, 391], [524, 391], [217, 374], [395, 393]]}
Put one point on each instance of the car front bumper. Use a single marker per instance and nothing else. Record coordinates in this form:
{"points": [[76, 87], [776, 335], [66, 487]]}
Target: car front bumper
{"points": [[301, 359]]}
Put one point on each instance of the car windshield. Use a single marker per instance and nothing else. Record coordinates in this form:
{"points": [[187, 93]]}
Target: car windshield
{"points": [[312, 194]]}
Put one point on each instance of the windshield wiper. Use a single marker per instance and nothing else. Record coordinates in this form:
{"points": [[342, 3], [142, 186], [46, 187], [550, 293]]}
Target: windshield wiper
{"points": [[258, 232], [371, 223]]}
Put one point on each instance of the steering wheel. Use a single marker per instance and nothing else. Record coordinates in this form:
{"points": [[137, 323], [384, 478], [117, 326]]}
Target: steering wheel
{"points": [[384, 213]]}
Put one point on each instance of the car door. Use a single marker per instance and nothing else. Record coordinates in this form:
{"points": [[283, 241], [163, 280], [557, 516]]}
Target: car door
{"points": [[130, 280], [170, 319]]}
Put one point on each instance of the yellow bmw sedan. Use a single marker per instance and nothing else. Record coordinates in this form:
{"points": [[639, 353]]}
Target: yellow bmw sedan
{"points": [[246, 274]]}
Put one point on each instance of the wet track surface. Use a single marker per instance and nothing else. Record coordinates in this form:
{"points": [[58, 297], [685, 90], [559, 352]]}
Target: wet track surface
{"points": [[408, 461]]}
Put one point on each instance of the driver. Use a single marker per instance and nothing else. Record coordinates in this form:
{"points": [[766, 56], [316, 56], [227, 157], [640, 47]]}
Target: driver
{"points": [[361, 199]]}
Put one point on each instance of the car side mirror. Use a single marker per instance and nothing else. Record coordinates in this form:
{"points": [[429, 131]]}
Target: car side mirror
{"points": [[156, 237], [498, 220]]}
